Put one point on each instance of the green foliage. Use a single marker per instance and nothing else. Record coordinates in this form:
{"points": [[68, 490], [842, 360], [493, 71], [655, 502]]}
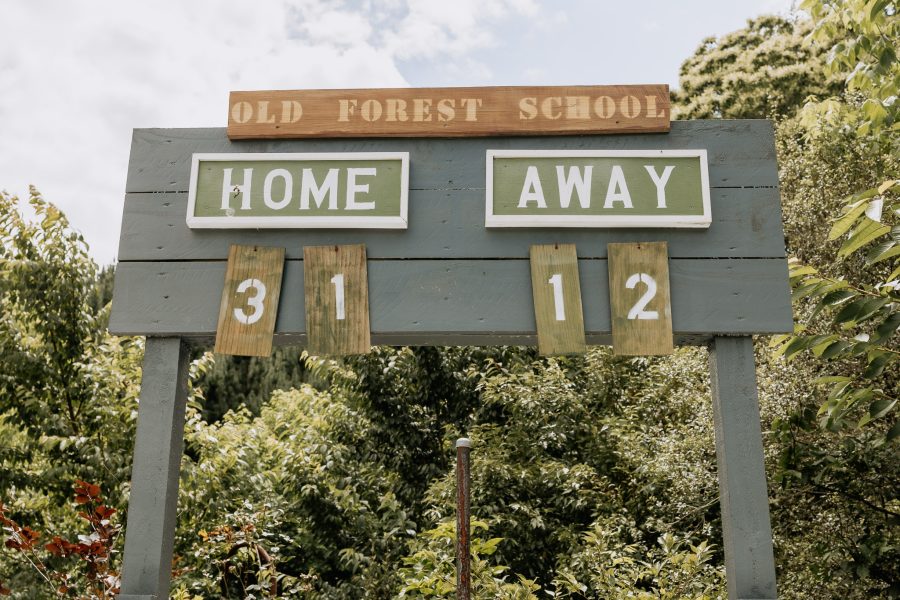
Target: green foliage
{"points": [[68, 390], [430, 571], [672, 570], [864, 36], [760, 71], [233, 382], [92, 575]]}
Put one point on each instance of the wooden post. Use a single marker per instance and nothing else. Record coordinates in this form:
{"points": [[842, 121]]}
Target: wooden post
{"points": [[747, 532], [150, 531]]}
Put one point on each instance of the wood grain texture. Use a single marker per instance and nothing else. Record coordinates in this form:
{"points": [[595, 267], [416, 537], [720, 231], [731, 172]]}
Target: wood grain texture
{"points": [[450, 224], [640, 302], [249, 304], [450, 301], [747, 532], [448, 112], [741, 153], [336, 290], [153, 502], [557, 293]]}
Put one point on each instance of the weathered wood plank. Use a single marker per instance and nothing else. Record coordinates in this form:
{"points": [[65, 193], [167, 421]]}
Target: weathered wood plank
{"points": [[640, 305], [336, 294], [741, 153], [448, 112], [152, 506], [437, 302], [556, 291], [249, 300], [450, 224], [747, 532]]}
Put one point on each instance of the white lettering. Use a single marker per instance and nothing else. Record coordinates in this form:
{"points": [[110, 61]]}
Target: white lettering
{"points": [[574, 180], [329, 186], [288, 188], [229, 189], [353, 188], [617, 191], [660, 181], [531, 190]]}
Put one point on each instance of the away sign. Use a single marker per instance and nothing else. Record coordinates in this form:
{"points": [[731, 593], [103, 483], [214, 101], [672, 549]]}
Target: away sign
{"points": [[365, 190], [597, 188]]}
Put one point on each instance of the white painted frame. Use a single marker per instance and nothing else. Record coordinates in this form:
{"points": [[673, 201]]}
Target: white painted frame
{"points": [[299, 222], [597, 221]]}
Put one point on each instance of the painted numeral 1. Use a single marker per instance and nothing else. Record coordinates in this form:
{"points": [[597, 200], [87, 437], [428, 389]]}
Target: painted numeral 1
{"points": [[338, 281], [637, 311], [558, 301], [255, 301]]}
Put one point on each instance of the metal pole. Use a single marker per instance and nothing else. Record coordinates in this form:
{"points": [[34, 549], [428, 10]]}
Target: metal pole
{"points": [[463, 516]]}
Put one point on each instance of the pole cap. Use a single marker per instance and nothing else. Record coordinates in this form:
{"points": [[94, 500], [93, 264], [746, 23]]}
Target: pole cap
{"points": [[463, 443]]}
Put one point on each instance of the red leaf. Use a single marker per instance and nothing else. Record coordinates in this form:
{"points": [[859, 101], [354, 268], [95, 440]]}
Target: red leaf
{"points": [[105, 512], [81, 499], [4, 591]]}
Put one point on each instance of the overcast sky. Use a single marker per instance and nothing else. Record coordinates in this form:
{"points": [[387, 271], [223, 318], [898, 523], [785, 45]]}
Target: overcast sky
{"points": [[76, 76]]}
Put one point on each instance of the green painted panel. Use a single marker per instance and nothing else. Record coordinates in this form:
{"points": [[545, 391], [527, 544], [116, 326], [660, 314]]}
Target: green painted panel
{"points": [[339, 190], [662, 188]]}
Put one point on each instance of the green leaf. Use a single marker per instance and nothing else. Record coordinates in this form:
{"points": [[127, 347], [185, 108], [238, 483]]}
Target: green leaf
{"points": [[878, 409], [888, 185], [894, 432], [890, 325], [837, 297], [882, 251], [835, 349], [867, 231], [876, 364], [843, 224]]}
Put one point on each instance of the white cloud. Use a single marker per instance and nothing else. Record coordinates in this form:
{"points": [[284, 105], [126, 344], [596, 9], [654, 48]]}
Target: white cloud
{"points": [[78, 75]]}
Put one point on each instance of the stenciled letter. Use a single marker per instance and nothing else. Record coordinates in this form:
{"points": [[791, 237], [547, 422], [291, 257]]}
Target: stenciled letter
{"points": [[329, 186], [353, 188], [531, 190], [243, 189], [574, 180], [617, 190], [660, 181]]}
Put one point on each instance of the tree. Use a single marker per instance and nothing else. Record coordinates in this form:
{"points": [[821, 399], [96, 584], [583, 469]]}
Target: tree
{"points": [[760, 71]]}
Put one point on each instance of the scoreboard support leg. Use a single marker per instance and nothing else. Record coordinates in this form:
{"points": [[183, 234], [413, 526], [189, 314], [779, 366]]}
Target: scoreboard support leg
{"points": [[747, 531], [150, 532]]}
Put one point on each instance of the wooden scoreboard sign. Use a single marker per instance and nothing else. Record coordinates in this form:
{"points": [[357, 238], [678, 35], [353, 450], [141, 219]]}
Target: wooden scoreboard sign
{"points": [[449, 112], [657, 236]]}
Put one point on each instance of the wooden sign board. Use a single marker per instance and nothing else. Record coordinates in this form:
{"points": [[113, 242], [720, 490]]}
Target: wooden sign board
{"points": [[597, 188], [640, 306], [557, 299], [249, 303], [348, 190], [337, 300], [449, 112]]}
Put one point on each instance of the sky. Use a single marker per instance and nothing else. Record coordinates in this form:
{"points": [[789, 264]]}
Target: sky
{"points": [[77, 76]]}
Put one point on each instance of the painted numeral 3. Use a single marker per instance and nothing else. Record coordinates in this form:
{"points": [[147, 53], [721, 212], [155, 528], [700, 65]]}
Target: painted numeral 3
{"points": [[255, 301], [558, 302], [338, 281], [637, 311]]}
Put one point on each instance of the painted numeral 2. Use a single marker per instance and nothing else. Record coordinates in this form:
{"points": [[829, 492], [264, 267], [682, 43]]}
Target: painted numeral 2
{"points": [[637, 311], [558, 301], [255, 301], [338, 281]]}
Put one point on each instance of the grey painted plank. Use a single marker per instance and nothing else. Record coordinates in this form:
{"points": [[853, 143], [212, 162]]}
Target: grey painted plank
{"points": [[150, 533], [450, 224], [741, 153], [437, 301], [749, 559]]}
